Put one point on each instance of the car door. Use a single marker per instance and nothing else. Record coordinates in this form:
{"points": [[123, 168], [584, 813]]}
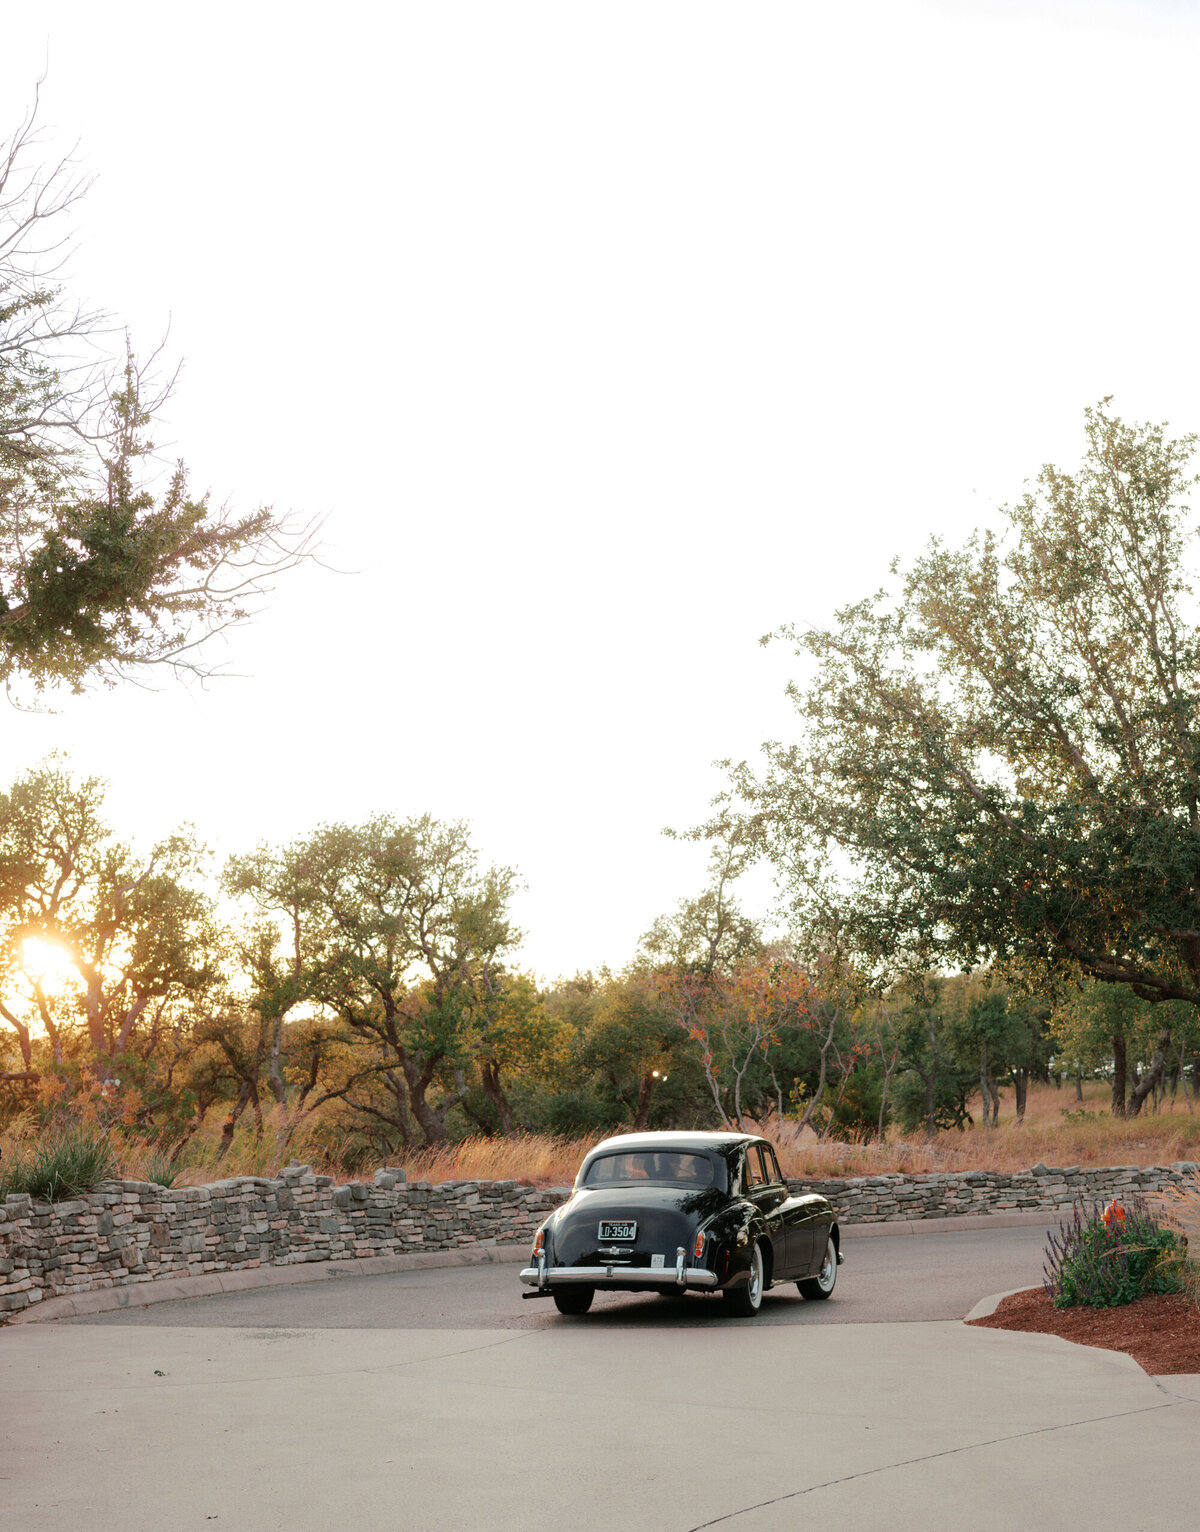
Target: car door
{"points": [[795, 1227], [764, 1187]]}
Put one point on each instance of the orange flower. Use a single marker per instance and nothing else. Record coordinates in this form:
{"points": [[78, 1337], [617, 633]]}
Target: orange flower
{"points": [[1114, 1213]]}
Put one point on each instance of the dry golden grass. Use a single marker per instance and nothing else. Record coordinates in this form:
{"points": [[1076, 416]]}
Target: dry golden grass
{"points": [[1057, 1131], [1088, 1136], [538, 1159]]}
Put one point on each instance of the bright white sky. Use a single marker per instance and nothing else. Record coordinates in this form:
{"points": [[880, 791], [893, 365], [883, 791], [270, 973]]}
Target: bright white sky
{"points": [[607, 338]]}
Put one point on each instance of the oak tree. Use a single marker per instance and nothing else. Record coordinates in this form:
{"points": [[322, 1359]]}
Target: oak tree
{"points": [[1002, 760], [104, 570]]}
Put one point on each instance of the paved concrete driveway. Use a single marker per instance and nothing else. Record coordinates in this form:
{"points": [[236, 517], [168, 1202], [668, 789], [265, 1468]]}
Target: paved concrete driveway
{"points": [[646, 1419]]}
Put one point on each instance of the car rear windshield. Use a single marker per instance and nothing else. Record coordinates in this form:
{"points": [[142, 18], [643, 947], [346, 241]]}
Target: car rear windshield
{"points": [[671, 1167]]}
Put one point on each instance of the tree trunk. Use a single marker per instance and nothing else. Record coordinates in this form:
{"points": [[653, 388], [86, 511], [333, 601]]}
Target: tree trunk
{"points": [[645, 1095], [239, 1106], [1021, 1088], [400, 1091], [452, 1097], [1118, 1081], [1153, 1075], [419, 1081], [883, 1095], [489, 1077], [983, 1083], [1078, 1087], [274, 1066]]}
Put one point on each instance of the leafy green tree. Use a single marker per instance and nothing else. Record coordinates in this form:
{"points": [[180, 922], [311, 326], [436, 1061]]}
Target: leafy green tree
{"points": [[584, 1095], [1008, 1033], [512, 1035], [1100, 1028], [633, 1047], [405, 922], [100, 576], [695, 962], [937, 1072], [278, 948], [709, 935], [133, 936], [1003, 762]]}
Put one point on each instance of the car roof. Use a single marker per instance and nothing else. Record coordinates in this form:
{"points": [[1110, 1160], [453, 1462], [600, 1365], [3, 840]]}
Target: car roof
{"points": [[693, 1141]]}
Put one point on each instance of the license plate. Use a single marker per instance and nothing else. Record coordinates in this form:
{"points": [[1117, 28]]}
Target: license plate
{"points": [[618, 1230]]}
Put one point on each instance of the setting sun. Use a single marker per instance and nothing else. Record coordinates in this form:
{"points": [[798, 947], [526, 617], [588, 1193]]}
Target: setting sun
{"points": [[46, 962]]}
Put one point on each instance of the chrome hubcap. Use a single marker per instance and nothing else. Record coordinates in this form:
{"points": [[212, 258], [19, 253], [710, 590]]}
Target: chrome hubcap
{"points": [[828, 1268], [756, 1277]]}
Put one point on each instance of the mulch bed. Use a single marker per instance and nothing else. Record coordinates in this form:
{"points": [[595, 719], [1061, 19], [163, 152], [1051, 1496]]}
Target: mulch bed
{"points": [[1161, 1332]]}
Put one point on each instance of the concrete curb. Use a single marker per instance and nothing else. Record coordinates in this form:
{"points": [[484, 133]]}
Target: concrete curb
{"points": [[1043, 1218], [987, 1306], [169, 1289]]}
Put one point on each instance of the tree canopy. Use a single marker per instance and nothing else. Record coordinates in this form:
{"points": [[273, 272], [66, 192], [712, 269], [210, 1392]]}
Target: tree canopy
{"points": [[108, 562], [1001, 762]]}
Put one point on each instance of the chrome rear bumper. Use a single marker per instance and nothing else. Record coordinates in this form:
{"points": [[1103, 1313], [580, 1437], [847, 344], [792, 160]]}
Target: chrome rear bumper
{"points": [[622, 1276]]}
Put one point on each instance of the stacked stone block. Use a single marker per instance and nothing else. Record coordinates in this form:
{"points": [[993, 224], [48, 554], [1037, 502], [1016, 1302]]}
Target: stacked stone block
{"points": [[1045, 1188], [128, 1232]]}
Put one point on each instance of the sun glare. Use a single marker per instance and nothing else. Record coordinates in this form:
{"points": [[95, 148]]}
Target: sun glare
{"points": [[47, 962]]}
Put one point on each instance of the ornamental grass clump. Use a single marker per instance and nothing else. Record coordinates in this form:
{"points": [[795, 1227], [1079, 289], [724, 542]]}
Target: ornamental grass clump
{"points": [[1104, 1257], [60, 1164]]}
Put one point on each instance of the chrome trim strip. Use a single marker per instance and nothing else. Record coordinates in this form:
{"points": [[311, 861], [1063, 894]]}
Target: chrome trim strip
{"points": [[680, 1266], [626, 1276]]}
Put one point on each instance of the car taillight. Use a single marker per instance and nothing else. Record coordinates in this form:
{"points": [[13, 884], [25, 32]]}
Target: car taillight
{"points": [[539, 1241], [698, 1249]]}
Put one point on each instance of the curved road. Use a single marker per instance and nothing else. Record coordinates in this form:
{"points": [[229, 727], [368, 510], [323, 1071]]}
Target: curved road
{"points": [[438, 1401], [909, 1277]]}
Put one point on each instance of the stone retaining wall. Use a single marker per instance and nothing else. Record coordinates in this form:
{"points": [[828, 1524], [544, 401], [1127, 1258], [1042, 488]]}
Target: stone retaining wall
{"points": [[1049, 1188], [129, 1232]]}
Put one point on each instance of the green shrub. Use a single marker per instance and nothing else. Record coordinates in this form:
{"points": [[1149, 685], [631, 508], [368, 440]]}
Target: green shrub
{"points": [[159, 1168], [1105, 1258], [61, 1164]]}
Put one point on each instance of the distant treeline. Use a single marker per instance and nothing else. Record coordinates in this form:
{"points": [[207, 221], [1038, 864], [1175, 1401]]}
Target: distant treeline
{"points": [[361, 979]]}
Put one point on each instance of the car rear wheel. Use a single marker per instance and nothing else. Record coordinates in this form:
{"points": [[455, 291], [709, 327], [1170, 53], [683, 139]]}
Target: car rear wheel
{"points": [[822, 1284], [574, 1300], [746, 1300]]}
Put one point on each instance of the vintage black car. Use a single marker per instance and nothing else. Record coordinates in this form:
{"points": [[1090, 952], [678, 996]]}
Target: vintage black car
{"points": [[675, 1213]]}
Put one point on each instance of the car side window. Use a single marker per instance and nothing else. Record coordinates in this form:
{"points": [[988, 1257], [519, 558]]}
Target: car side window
{"points": [[751, 1174], [771, 1165]]}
